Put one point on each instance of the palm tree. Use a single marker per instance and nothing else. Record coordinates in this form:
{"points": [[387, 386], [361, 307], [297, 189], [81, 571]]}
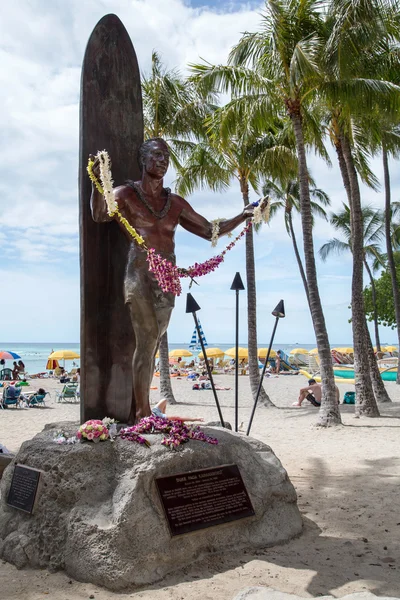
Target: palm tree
{"points": [[372, 235], [165, 379], [214, 164], [351, 92], [173, 108], [287, 197], [271, 72]]}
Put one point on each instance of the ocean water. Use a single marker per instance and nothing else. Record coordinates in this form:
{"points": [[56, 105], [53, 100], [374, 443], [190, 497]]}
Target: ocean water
{"points": [[35, 356]]}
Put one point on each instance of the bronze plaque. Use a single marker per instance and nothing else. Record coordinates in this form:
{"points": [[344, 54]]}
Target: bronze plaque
{"points": [[200, 499], [23, 488]]}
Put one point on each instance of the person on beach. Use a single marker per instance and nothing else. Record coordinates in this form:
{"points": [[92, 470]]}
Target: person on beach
{"points": [[15, 370], [313, 393], [159, 410], [155, 213], [278, 362]]}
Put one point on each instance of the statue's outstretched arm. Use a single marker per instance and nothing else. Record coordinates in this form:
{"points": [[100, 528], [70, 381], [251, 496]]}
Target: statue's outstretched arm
{"points": [[195, 223]]}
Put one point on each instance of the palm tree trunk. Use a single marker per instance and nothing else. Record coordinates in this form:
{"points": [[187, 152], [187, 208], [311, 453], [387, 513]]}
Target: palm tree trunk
{"points": [[254, 371], [378, 386], [365, 400], [297, 254], [329, 413], [380, 392], [373, 290], [165, 379], [389, 248]]}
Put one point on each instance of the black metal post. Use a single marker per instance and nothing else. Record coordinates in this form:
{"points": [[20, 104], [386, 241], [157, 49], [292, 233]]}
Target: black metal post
{"points": [[237, 285], [192, 306], [279, 313], [237, 364]]}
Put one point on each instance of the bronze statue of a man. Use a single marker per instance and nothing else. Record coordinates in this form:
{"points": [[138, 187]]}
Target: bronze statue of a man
{"points": [[155, 213]]}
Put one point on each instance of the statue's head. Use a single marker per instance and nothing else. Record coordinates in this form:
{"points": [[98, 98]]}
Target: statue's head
{"points": [[154, 157]]}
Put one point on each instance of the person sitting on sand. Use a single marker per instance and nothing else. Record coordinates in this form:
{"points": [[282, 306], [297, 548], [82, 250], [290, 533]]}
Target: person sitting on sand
{"points": [[159, 410], [313, 393]]}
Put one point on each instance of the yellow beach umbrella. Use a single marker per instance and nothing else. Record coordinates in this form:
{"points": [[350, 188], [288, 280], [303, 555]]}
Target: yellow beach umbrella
{"points": [[180, 352], [64, 355], [158, 354], [344, 350], [390, 348], [314, 351], [299, 351], [242, 352], [212, 353], [52, 364], [262, 353]]}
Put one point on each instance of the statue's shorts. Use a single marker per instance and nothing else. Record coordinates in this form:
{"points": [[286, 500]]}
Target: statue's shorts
{"points": [[140, 285]]}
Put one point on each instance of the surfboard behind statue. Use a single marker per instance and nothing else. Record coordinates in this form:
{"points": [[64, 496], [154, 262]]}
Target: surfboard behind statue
{"points": [[111, 118]]}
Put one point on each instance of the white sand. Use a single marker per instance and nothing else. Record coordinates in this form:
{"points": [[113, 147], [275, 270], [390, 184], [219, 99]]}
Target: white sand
{"points": [[347, 480]]}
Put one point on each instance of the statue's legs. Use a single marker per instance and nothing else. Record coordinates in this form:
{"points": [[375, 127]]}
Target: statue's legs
{"points": [[150, 311], [149, 324]]}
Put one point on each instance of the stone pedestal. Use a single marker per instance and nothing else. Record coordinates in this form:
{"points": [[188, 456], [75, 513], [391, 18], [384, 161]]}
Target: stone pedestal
{"points": [[99, 517]]}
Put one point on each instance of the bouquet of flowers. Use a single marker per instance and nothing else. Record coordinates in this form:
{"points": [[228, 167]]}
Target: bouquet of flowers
{"points": [[93, 431]]}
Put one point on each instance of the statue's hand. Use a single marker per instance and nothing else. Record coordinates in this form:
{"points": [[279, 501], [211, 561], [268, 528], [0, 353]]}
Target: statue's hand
{"points": [[248, 211], [96, 166]]}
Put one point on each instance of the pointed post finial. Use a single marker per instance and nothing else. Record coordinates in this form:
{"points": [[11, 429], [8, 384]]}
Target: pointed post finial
{"points": [[237, 283], [279, 310], [191, 304]]}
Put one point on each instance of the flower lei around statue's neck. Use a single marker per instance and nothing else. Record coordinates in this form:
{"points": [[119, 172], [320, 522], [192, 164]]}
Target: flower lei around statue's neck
{"points": [[166, 273]]}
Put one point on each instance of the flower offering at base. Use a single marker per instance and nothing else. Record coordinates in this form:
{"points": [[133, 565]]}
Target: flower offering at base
{"points": [[176, 432], [93, 431]]}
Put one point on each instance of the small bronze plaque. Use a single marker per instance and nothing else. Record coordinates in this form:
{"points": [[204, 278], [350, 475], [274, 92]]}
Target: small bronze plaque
{"points": [[200, 499], [23, 489]]}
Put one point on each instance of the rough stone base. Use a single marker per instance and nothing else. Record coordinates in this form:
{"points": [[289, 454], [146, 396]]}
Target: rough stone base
{"points": [[265, 593], [99, 517]]}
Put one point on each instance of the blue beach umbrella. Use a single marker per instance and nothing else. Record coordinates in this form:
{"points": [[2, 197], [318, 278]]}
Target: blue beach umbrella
{"points": [[8, 355]]}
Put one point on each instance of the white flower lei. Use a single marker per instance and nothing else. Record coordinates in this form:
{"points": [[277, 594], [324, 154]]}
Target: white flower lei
{"points": [[260, 213], [107, 182], [215, 232]]}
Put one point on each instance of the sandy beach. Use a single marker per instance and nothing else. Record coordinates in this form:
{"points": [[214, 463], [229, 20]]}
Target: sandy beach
{"points": [[347, 479]]}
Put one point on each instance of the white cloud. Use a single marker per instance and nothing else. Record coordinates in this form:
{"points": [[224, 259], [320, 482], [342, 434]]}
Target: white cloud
{"points": [[42, 50]]}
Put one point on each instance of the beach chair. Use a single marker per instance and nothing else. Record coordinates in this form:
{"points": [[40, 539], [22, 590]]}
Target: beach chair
{"points": [[37, 399], [6, 375], [6, 401], [69, 393]]}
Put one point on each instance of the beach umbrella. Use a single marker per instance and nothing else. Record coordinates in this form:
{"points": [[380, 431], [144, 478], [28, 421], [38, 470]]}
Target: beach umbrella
{"points": [[314, 351], [180, 352], [344, 350], [8, 355], [212, 353], [243, 352], [52, 364], [63, 355], [158, 354], [390, 348], [299, 351], [262, 353]]}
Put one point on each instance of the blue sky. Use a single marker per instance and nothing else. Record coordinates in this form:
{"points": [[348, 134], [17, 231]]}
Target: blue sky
{"points": [[41, 52]]}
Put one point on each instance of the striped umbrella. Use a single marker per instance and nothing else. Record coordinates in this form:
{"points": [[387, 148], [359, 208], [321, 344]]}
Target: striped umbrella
{"points": [[8, 355]]}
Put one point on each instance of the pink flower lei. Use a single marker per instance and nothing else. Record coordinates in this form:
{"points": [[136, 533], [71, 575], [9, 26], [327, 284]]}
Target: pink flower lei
{"points": [[175, 433], [168, 275]]}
